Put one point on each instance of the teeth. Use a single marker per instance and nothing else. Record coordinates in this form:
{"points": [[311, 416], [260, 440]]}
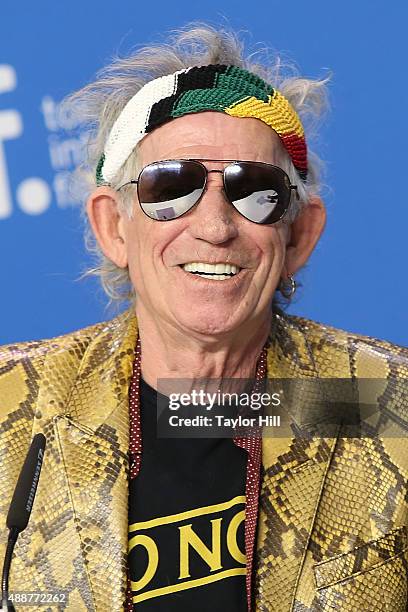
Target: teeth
{"points": [[219, 268], [214, 276]]}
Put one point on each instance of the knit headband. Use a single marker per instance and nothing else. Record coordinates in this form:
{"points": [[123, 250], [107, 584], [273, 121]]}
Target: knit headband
{"points": [[226, 89]]}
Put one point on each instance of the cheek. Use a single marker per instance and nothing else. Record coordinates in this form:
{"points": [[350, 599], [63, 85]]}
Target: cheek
{"points": [[281, 240], [137, 244], [133, 245], [150, 244], [273, 245]]}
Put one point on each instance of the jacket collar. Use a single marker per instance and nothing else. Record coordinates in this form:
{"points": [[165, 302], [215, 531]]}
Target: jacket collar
{"points": [[103, 378]]}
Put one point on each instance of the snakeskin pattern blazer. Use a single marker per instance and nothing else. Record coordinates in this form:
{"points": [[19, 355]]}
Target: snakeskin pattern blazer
{"points": [[333, 513]]}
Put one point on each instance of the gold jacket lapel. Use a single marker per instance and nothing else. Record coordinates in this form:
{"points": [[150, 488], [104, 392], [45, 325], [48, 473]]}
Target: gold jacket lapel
{"points": [[94, 441], [293, 472]]}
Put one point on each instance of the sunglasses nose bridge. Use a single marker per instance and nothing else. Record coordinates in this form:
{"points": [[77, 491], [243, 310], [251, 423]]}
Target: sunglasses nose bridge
{"points": [[221, 189], [212, 219], [218, 188], [220, 182]]}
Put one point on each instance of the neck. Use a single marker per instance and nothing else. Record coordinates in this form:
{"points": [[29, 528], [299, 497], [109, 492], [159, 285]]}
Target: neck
{"points": [[169, 352]]}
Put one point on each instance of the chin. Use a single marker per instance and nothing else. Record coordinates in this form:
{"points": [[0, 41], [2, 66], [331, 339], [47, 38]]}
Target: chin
{"points": [[207, 323]]}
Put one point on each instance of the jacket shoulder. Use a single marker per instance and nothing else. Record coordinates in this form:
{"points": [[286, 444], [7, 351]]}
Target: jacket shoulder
{"points": [[37, 350], [368, 356], [27, 367]]}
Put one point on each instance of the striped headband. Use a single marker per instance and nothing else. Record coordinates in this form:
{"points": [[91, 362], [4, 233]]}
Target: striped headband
{"points": [[226, 89]]}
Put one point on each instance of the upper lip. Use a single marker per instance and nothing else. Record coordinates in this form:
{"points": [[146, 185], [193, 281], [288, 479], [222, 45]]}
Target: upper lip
{"points": [[212, 263]]}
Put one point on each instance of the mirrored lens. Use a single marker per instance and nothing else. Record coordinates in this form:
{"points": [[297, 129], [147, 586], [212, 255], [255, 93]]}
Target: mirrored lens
{"points": [[260, 192], [168, 189]]}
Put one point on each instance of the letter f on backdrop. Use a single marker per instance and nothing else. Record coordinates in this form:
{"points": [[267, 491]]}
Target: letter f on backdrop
{"points": [[11, 126]]}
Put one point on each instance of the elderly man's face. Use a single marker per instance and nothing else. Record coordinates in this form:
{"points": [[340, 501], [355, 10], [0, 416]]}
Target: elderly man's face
{"points": [[213, 231]]}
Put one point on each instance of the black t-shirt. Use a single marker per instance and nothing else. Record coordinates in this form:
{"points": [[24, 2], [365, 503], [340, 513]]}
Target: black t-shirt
{"points": [[186, 521]]}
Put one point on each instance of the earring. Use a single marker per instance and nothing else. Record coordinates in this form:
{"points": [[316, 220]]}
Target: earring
{"points": [[288, 289]]}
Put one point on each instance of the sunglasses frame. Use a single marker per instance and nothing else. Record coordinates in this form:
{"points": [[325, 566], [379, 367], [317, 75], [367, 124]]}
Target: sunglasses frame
{"points": [[230, 162]]}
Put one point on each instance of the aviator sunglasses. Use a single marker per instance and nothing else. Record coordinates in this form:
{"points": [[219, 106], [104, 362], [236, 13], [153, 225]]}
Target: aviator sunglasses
{"points": [[168, 189]]}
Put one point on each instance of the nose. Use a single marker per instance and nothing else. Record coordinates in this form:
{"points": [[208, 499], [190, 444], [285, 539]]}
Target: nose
{"points": [[213, 219]]}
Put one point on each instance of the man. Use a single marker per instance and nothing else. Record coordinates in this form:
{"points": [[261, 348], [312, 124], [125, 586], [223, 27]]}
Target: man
{"points": [[206, 203]]}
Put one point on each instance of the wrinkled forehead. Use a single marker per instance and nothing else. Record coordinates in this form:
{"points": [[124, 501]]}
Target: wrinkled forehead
{"points": [[213, 135]]}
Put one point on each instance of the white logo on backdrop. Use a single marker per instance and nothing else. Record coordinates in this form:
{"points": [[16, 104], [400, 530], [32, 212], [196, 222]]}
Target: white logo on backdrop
{"points": [[33, 195], [66, 153]]}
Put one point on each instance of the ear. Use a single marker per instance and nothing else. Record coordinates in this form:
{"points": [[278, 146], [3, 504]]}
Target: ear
{"points": [[107, 224], [305, 233]]}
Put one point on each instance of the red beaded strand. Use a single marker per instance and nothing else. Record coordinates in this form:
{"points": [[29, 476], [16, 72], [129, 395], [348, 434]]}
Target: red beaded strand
{"points": [[135, 434]]}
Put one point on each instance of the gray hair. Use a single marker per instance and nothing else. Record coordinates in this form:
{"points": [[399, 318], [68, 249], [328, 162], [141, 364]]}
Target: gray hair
{"points": [[97, 105]]}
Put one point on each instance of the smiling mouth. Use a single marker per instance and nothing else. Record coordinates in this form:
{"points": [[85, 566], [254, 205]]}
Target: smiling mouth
{"points": [[217, 272]]}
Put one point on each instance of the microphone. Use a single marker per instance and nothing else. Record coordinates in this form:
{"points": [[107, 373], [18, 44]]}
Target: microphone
{"points": [[20, 509]]}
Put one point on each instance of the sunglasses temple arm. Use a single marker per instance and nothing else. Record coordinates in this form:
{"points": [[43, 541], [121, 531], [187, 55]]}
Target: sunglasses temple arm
{"points": [[296, 191], [134, 182]]}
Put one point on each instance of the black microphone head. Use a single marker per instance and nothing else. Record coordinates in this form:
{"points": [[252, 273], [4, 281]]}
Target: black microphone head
{"points": [[24, 493]]}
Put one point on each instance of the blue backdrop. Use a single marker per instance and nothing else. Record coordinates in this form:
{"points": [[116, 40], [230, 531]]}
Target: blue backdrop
{"points": [[356, 279]]}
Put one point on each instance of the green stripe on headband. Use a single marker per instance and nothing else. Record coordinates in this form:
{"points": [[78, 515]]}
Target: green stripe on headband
{"points": [[198, 100], [241, 80]]}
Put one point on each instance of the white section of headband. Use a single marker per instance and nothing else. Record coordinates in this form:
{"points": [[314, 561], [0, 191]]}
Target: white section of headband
{"points": [[130, 127]]}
